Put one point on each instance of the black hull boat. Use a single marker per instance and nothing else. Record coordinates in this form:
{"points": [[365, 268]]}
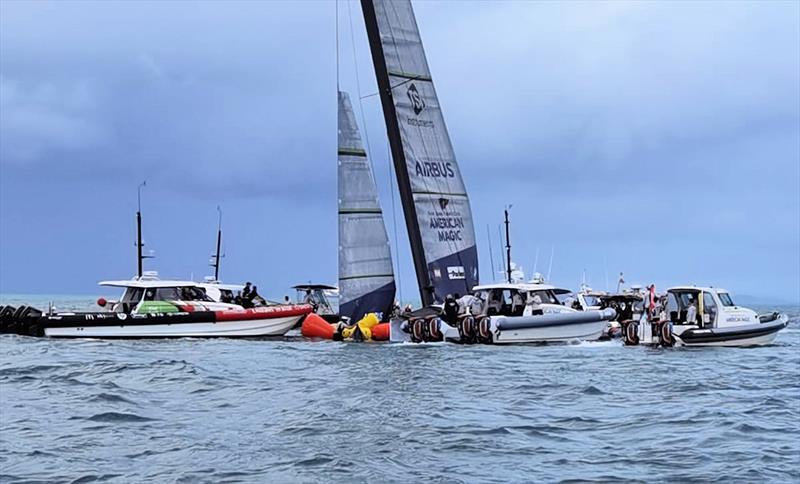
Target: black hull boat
{"points": [[761, 333]]}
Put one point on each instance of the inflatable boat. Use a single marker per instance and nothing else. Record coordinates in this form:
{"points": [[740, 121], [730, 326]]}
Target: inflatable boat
{"points": [[705, 316]]}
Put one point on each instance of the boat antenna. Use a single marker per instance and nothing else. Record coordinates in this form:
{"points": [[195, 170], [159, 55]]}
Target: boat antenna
{"points": [[219, 245], [550, 266], [139, 257], [500, 237], [508, 245], [491, 253]]}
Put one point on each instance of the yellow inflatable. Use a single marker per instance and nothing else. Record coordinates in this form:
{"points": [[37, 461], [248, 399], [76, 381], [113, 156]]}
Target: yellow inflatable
{"points": [[365, 326]]}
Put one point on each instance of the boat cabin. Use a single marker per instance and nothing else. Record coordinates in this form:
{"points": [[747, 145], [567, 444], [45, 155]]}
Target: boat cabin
{"points": [[512, 299], [145, 295], [323, 298], [706, 307]]}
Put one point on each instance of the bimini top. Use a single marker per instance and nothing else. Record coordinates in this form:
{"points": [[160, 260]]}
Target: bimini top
{"points": [[522, 286], [148, 283], [697, 288], [303, 287]]}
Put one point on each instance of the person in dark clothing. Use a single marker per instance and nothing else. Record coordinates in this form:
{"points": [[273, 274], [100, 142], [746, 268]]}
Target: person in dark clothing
{"points": [[246, 291], [450, 310], [255, 298]]}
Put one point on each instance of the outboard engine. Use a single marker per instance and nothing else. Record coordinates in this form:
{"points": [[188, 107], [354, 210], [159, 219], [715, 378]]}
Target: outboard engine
{"points": [[663, 329], [417, 330], [485, 330], [434, 332], [467, 330], [630, 332], [5, 318]]}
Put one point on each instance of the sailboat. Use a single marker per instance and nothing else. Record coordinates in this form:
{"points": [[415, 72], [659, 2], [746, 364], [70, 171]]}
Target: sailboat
{"points": [[366, 278], [434, 198], [432, 192]]}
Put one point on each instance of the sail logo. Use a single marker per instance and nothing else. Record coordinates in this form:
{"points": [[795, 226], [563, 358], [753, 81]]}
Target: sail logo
{"points": [[456, 272], [443, 202], [416, 99]]}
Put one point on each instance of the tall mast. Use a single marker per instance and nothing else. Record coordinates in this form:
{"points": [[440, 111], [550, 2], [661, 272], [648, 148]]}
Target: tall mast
{"points": [[219, 244], [139, 257], [426, 291], [508, 246]]}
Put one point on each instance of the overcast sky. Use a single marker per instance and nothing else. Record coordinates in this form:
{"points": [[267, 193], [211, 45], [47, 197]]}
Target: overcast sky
{"points": [[661, 139]]}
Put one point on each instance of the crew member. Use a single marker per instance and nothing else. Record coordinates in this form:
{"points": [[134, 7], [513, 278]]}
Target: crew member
{"points": [[536, 306], [517, 304], [477, 306], [691, 312], [450, 310], [246, 291]]}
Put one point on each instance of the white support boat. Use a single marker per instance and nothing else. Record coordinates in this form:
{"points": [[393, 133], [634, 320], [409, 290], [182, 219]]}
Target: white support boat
{"points": [[532, 313], [705, 316], [152, 308]]}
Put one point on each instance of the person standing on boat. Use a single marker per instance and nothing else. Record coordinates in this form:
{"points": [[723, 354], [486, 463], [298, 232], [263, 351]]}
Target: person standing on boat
{"points": [[517, 304], [536, 306], [246, 291], [691, 312], [476, 306], [450, 310]]}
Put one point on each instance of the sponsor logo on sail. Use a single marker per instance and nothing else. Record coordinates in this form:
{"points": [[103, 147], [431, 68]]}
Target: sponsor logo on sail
{"points": [[443, 202], [416, 100], [455, 272]]}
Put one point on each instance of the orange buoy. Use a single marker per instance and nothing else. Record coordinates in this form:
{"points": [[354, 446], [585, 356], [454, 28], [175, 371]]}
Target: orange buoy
{"points": [[380, 332], [316, 327]]}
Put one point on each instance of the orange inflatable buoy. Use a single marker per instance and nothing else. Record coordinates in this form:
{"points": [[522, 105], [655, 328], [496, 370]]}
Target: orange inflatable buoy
{"points": [[380, 332], [316, 327]]}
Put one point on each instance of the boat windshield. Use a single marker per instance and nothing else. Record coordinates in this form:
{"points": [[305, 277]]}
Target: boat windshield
{"points": [[547, 296], [591, 300], [726, 299], [176, 294]]}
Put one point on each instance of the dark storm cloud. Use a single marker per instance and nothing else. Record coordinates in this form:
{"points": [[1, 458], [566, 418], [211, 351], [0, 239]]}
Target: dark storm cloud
{"points": [[659, 137]]}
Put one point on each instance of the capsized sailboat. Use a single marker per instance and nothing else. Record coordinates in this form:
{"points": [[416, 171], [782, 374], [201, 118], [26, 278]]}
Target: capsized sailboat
{"points": [[366, 277]]}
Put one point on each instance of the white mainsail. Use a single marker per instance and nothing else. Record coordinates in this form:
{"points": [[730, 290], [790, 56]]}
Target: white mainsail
{"points": [[366, 278]]}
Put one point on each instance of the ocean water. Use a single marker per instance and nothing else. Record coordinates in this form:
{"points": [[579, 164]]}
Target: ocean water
{"points": [[294, 411]]}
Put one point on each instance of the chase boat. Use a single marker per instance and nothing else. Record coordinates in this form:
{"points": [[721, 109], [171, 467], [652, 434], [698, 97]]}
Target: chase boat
{"points": [[704, 316], [507, 313], [152, 308]]}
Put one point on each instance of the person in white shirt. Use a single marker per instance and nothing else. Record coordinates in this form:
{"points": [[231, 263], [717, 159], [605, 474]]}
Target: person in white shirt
{"points": [[691, 313]]}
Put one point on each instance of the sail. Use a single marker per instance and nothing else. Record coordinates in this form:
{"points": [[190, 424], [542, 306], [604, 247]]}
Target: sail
{"points": [[366, 279], [435, 202]]}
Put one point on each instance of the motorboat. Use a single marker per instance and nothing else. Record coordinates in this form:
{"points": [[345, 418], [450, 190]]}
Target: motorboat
{"points": [[323, 298], [506, 313], [154, 308], [704, 316]]}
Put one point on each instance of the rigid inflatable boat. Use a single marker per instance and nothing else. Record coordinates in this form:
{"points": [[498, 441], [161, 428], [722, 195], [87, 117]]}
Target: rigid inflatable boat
{"points": [[505, 314], [704, 316]]}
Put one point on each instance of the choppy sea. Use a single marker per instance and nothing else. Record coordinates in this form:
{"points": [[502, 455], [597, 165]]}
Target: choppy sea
{"points": [[191, 410]]}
